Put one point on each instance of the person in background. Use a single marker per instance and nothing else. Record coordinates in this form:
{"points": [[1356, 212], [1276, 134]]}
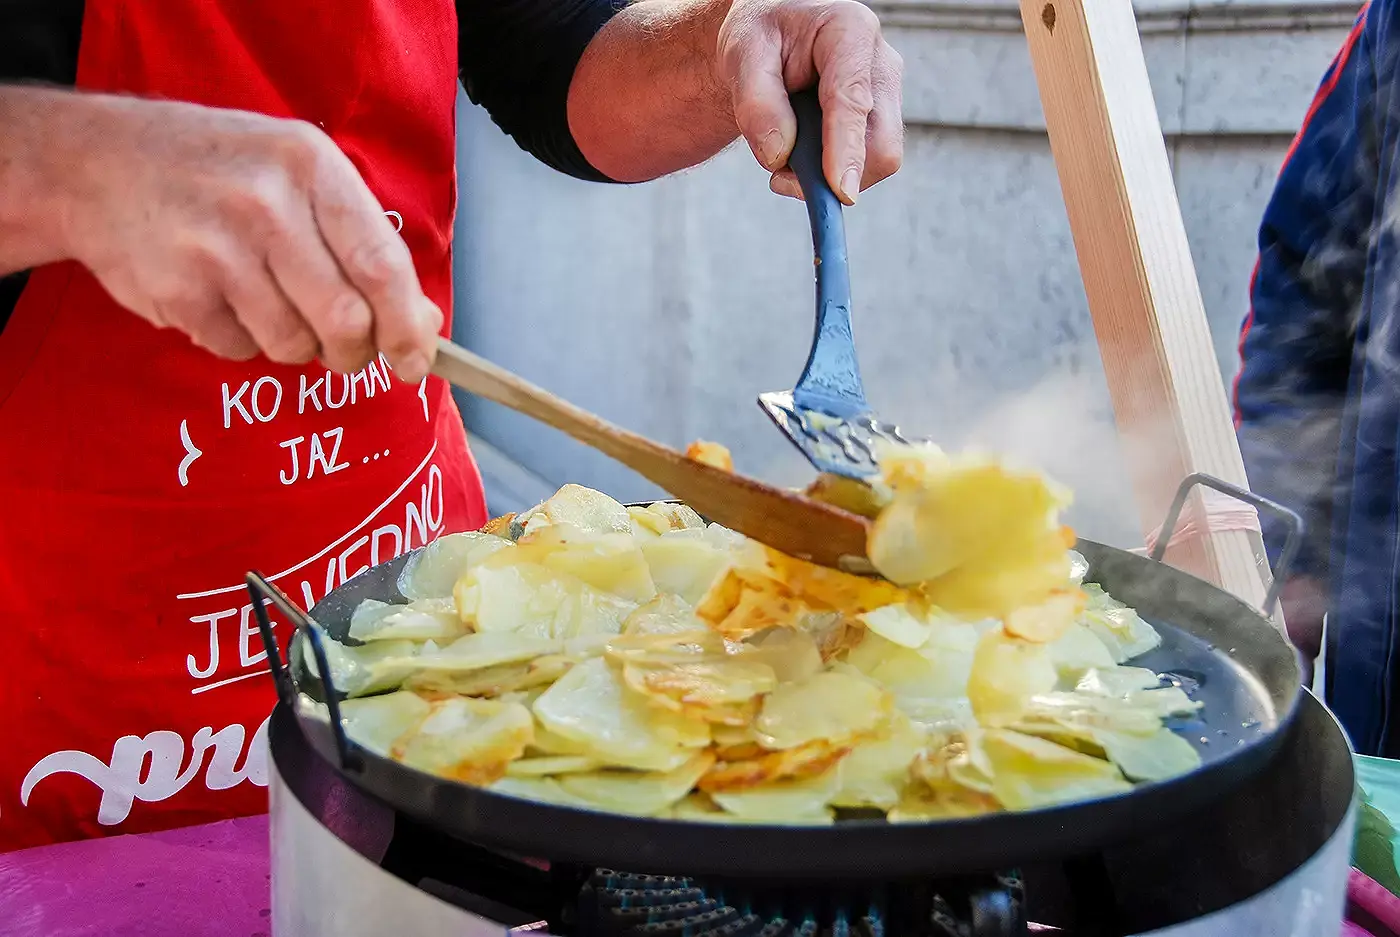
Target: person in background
{"points": [[227, 230], [1318, 393]]}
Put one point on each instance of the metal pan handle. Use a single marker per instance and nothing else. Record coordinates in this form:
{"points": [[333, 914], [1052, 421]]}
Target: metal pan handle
{"points": [[264, 592], [1290, 518]]}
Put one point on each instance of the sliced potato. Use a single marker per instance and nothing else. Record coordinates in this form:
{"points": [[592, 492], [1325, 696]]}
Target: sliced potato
{"points": [[583, 508], [876, 771], [898, 624], [543, 790], [469, 740], [591, 705], [1048, 620], [685, 563], [1006, 673], [549, 765], [711, 454], [641, 793], [368, 668], [829, 706], [1029, 772], [1155, 757], [431, 572], [1117, 681], [1119, 627], [793, 655], [487, 649], [491, 682], [665, 614], [800, 801], [1078, 650], [748, 767], [376, 722], [609, 562], [534, 601], [678, 516]]}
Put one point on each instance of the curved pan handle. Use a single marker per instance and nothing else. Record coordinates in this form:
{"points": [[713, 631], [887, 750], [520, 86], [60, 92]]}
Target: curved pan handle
{"points": [[264, 593], [1290, 518]]}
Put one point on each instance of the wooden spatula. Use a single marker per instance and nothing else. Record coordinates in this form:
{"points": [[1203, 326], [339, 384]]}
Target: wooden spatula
{"points": [[782, 519]]}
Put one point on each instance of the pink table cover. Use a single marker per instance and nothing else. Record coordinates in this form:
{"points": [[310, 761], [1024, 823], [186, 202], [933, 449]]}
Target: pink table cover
{"points": [[203, 881]]}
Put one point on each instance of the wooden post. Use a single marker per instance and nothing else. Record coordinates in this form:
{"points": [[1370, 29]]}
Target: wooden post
{"points": [[1168, 397]]}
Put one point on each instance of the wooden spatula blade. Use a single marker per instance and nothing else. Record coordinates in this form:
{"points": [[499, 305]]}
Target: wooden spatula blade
{"points": [[782, 519]]}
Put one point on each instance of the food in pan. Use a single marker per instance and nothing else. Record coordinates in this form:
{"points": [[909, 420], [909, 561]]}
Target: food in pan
{"points": [[639, 660]]}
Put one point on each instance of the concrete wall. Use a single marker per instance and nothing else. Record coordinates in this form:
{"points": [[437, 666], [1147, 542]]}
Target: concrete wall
{"points": [[668, 307]]}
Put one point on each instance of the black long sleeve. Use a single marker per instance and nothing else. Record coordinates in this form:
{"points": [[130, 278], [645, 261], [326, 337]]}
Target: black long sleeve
{"points": [[517, 60]]}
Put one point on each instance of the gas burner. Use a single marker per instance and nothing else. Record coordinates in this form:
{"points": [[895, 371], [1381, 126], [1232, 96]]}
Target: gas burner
{"points": [[627, 904]]}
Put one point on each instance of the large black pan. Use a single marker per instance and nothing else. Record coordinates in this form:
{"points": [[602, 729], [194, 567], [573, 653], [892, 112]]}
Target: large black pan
{"points": [[1225, 653]]}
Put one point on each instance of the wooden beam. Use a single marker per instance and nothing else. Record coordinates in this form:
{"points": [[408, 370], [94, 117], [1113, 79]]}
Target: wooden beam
{"points": [[1168, 397]]}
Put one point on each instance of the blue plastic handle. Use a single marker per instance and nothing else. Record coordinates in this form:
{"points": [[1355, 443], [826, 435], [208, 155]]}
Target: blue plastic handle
{"points": [[830, 381]]}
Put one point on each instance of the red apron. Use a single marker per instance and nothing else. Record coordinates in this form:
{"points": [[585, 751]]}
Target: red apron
{"points": [[141, 477]]}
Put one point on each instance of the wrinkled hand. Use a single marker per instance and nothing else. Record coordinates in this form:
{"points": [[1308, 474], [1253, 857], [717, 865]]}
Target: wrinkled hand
{"points": [[247, 233], [770, 47]]}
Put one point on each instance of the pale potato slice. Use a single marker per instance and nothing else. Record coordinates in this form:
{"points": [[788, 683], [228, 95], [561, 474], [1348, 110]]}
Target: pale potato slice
{"points": [[685, 563], [835, 707], [580, 507], [665, 614], [708, 680], [876, 771], [1119, 627], [679, 516], [929, 685], [609, 562], [491, 682], [1048, 620], [544, 790], [646, 525], [640, 793], [368, 668], [1006, 673], [469, 740], [591, 705], [898, 624], [549, 765], [858, 497], [950, 512], [803, 801], [376, 722], [374, 620], [1029, 772], [710, 453], [1078, 650], [793, 655], [547, 743], [534, 601], [1155, 757], [430, 573], [1120, 682], [747, 767], [484, 649]]}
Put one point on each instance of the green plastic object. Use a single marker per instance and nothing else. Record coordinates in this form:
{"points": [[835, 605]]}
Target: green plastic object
{"points": [[1377, 839]]}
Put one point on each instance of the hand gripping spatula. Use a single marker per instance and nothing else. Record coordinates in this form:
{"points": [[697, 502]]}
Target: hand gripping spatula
{"points": [[826, 415]]}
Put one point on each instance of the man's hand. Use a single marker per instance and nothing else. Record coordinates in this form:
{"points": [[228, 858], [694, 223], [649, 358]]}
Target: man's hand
{"points": [[767, 48], [667, 84], [247, 233]]}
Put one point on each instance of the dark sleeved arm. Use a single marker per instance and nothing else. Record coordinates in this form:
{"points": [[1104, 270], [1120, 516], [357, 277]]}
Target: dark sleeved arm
{"points": [[517, 60], [1296, 342]]}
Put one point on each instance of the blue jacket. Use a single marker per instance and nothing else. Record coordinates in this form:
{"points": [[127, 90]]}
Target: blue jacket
{"points": [[1318, 395]]}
